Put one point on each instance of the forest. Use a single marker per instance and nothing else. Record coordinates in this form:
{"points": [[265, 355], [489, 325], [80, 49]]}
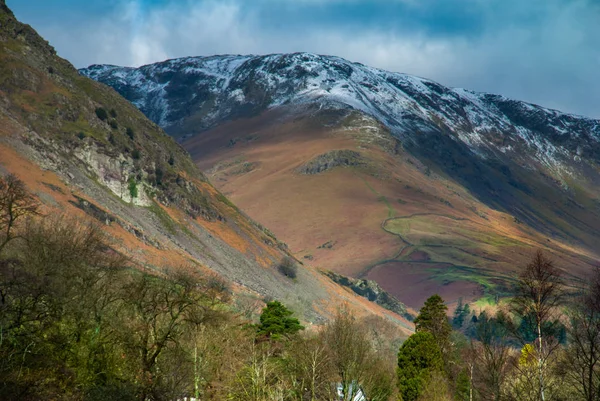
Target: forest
{"points": [[79, 321]]}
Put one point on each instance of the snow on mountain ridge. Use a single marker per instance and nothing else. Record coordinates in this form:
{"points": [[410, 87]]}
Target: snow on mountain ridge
{"points": [[224, 87]]}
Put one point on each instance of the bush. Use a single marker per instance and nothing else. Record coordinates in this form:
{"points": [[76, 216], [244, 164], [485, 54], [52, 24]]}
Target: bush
{"points": [[81, 135], [288, 267], [101, 113], [159, 175], [133, 191], [172, 160], [113, 124], [135, 154], [130, 133], [111, 139], [113, 113]]}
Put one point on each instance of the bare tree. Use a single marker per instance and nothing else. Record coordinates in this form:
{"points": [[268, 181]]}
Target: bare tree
{"points": [[490, 357], [539, 293], [357, 364], [310, 369], [15, 203], [350, 349], [582, 356]]}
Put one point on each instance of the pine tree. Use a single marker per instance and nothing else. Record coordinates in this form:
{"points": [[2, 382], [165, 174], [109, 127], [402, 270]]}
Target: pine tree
{"points": [[459, 317], [276, 321], [418, 358], [432, 318]]}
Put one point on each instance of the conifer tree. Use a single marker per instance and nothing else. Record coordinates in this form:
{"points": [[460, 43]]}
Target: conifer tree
{"points": [[432, 318], [418, 358], [276, 321]]}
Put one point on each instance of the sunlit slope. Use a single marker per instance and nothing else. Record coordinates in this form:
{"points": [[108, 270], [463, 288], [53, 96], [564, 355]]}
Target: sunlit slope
{"points": [[345, 195]]}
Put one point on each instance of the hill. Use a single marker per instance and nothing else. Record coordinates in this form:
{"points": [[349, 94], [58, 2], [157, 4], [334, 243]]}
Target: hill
{"points": [[87, 153], [381, 175]]}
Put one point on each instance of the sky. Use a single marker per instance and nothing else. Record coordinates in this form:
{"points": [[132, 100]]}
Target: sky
{"points": [[542, 51]]}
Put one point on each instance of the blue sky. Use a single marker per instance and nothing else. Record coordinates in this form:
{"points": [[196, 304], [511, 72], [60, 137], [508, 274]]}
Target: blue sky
{"points": [[543, 51]]}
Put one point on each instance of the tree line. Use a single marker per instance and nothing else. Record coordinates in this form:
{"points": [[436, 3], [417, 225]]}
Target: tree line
{"points": [[542, 344], [78, 321]]}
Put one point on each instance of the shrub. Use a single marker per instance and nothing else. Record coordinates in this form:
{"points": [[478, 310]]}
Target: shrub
{"points": [[111, 139], [130, 133], [159, 175], [133, 191], [136, 154], [288, 267], [113, 113], [81, 135], [101, 113], [113, 124], [172, 160]]}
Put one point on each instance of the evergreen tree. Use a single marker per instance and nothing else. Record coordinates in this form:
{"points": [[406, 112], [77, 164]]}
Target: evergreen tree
{"points": [[418, 358], [459, 316], [432, 318], [463, 386], [276, 321]]}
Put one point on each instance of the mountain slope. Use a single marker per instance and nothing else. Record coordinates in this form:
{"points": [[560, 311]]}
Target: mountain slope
{"points": [[462, 183], [85, 151]]}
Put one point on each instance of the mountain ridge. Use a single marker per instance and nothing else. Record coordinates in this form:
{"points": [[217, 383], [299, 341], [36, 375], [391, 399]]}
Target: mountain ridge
{"points": [[502, 175], [190, 95]]}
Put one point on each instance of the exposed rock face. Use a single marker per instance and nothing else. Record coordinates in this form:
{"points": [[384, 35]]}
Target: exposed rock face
{"points": [[330, 160], [373, 292]]}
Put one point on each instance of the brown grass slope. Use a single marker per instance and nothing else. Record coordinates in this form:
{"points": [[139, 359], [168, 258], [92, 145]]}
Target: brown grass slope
{"points": [[345, 195], [76, 163]]}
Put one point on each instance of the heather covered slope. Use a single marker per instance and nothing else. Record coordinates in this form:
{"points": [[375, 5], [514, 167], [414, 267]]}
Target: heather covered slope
{"points": [[85, 151], [393, 177], [348, 200]]}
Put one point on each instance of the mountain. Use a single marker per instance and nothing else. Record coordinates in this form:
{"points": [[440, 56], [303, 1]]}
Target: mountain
{"points": [[86, 152], [381, 175]]}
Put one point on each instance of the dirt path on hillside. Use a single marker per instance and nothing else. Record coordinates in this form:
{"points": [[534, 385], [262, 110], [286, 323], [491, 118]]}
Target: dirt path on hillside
{"points": [[407, 246]]}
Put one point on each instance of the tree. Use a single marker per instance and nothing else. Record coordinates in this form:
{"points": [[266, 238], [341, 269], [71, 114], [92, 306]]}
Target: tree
{"points": [[582, 357], [15, 203], [132, 186], [490, 356], [158, 313], [288, 267], [276, 321], [56, 310], [432, 318], [356, 364], [462, 311], [418, 358], [538, 294], [101, 113], [309, 367]]}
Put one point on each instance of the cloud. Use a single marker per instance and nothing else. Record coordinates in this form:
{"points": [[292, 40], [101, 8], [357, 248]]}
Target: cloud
{"points": [[543, 51]]}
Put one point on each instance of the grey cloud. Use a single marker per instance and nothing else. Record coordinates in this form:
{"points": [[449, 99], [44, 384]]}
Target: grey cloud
{"points": [[553, 60]]}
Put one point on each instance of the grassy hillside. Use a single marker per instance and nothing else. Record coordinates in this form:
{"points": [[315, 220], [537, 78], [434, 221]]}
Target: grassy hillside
{"points": [[346, 196], [86, 152]]}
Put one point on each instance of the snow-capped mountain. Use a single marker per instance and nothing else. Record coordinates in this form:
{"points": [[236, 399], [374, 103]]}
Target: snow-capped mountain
{"points": [[539, 165], [218, 88]]}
